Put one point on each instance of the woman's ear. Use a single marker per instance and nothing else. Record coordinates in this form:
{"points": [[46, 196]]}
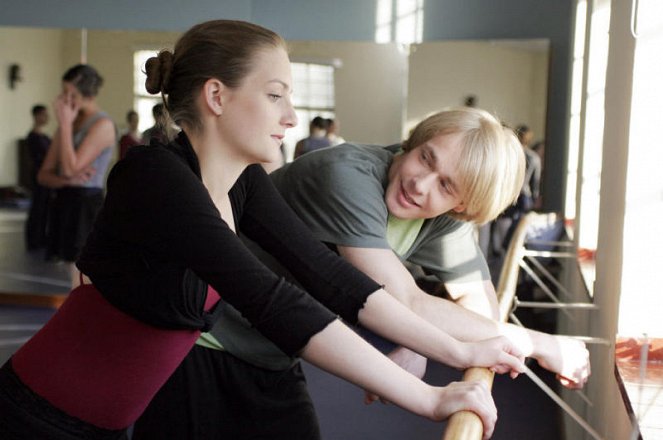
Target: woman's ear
{"points": [[213, 91]]}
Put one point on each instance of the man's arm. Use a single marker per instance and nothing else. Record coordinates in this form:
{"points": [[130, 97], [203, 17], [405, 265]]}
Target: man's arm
{"points": [[478, 296], [564, 356]]}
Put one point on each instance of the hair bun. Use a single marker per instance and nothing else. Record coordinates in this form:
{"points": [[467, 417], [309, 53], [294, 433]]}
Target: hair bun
{"points": [[158, 71]]}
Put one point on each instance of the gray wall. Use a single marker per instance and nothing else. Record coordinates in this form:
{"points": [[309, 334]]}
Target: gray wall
{"points": [[345, 20]]}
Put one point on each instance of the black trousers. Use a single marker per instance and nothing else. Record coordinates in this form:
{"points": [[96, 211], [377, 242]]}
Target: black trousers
{"points": [[35, 227], [72, 216], [24, 415], [215, 396]]}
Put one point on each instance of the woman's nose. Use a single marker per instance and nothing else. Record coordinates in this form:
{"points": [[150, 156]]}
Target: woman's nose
{"points": [[290, 116]]}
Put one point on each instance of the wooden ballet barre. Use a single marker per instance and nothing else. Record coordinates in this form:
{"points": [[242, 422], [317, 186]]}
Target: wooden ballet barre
{"points": [[466, 425]]}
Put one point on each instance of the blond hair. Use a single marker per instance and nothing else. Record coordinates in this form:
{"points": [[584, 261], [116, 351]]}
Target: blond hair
{"points": [[491, 164]]}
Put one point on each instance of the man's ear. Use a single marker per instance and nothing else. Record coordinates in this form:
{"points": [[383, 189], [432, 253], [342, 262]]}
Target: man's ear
{"points": [[213, 91], [459, 208]]}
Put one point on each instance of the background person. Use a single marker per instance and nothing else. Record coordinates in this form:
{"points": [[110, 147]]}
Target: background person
{"points": [[162, 129], [37, 143], [131, 137], [315, 140], [332, 132], [77, 162]]}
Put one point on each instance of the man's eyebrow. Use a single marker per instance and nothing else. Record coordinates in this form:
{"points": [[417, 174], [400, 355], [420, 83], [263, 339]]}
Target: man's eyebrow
{"points": [[450, 182]]}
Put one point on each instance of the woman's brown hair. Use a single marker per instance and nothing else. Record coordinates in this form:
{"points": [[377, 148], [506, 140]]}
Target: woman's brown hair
{"points": [[222, 49]]}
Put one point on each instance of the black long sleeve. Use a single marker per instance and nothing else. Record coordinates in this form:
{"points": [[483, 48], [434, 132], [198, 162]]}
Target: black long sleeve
{"points": [[159, 239], [329, 278]]}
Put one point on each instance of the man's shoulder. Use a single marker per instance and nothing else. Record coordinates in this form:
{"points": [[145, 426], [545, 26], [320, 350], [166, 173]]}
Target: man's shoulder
{"points": [[351, 152], [447, 226], [347, 163]]}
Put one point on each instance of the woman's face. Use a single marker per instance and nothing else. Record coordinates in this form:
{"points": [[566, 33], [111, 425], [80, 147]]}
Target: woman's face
{"points": [[73, 95], [424, 182], [133, 121], [257, 113]]}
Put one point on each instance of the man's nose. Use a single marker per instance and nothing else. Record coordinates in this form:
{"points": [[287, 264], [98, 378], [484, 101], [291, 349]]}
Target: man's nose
{"points": [[423, 182]]}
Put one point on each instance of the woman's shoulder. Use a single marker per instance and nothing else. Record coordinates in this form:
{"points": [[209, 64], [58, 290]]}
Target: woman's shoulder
{"points": [[153, 162], [154, 154]]}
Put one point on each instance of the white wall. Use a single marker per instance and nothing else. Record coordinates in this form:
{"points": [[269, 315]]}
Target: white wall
{"points": [[369, 86], [507, 79], [38, 52]]}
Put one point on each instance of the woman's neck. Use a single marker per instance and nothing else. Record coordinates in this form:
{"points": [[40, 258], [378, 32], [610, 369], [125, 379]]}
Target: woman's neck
{"points": [[85, 112], [219, 168]]}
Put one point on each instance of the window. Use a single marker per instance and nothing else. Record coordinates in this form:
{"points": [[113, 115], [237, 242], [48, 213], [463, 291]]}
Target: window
{"points": [[400, 21], [586, 123], [641, 299], [143, 101], [576, 104], [313, 95]]}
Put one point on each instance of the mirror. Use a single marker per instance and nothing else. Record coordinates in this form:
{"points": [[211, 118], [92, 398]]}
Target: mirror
{"points": [[380, 90]]}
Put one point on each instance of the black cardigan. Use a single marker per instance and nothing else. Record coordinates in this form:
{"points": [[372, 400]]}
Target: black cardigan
{"points": [[159, 241]]}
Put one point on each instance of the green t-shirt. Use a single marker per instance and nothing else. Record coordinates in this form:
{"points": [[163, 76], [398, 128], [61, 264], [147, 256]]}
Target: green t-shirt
{"points": [[402, 233], [339, 193]]}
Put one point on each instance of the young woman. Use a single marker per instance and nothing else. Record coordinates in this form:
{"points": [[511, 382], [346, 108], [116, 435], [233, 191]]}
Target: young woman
{"points": [[165, 247], [77, 162]]}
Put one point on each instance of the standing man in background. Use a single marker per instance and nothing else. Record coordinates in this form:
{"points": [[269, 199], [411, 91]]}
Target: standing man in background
{"points": [[37, 144]]}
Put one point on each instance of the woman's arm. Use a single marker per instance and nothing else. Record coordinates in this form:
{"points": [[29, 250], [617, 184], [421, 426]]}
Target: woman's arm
{"points": [[48, 172], [74, 161], [341, 352]]}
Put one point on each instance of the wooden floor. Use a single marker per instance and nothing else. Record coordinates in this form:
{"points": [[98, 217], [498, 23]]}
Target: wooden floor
{"points": [[30, 288]]}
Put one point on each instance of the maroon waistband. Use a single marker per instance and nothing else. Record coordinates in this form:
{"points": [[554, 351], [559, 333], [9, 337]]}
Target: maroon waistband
{"points": [[99, 364]]}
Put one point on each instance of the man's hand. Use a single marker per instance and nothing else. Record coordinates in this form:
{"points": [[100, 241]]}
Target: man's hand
{"points": [[569, 359], [498, 354]]}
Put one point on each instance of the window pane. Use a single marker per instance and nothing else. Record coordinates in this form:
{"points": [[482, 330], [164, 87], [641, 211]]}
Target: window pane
{"points": [[143, 106], [140, 57], [313, 95]]}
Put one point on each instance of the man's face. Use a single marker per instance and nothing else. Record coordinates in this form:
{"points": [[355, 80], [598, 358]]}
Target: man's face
{"points": [[41, 118], [423, 183]]}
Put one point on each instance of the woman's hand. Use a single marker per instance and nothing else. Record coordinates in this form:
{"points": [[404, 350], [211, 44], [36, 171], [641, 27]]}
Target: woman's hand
{"points": [[568, 358], [66, 109], [465, 396], [408, 360], [498, 354], [81, 177]]}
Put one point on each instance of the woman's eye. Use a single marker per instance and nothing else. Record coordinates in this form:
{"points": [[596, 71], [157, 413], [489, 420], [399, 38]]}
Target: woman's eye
{"points": [[274, 97]]}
